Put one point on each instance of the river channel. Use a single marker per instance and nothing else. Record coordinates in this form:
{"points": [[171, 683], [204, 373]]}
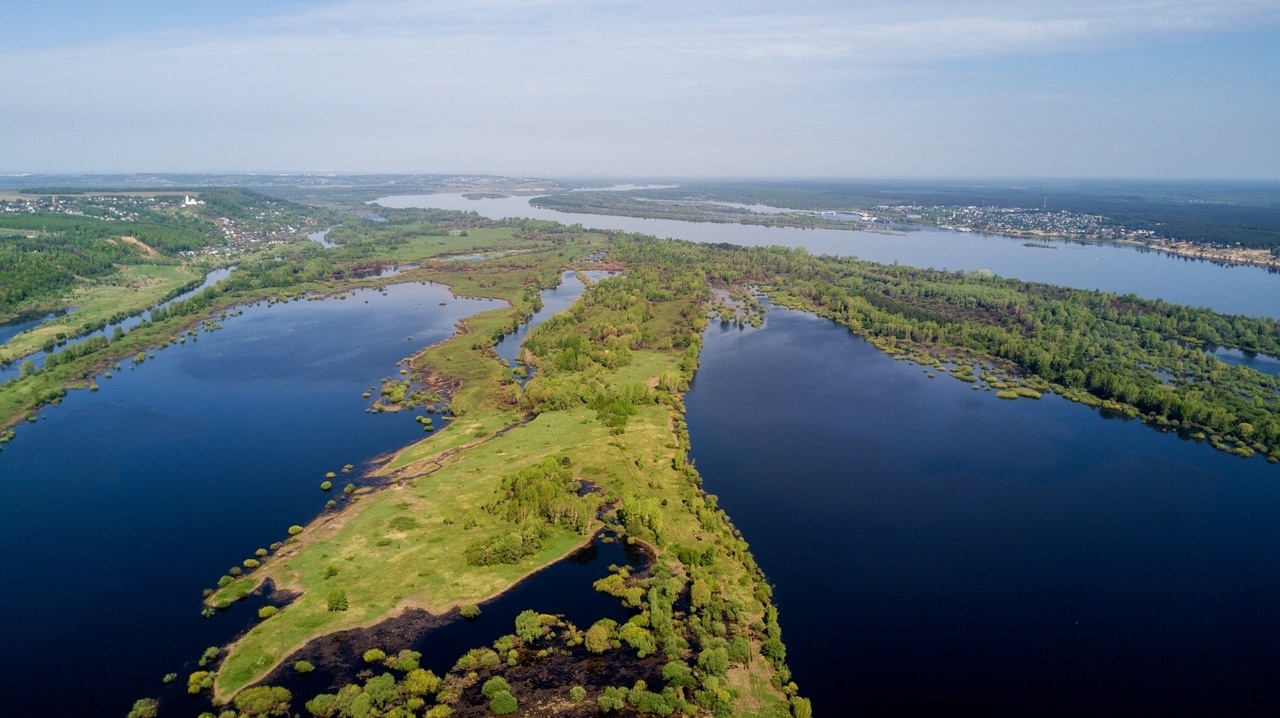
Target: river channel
{"points": [[121, 505], [932, 547], [937, 550], [1113, 268]]}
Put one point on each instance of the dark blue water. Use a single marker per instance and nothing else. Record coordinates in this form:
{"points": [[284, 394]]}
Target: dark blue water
{"points": [[13, 369], [935, 549], [1245, 290], [554, 300], [563, 588], [121, 505]]}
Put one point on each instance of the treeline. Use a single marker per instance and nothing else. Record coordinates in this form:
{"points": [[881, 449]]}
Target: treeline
{"points": [[33, 269], [1141, 357]]}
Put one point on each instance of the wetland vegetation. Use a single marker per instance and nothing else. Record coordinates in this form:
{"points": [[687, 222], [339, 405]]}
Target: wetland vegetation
{"points": [[524, 474]]}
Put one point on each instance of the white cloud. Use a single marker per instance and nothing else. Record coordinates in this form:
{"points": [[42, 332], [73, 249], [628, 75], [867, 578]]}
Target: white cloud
{"points": [[350, 82]]}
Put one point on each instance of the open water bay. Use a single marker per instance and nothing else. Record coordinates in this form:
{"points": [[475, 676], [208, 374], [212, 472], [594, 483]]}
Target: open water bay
{"points": [[121, 505], [936, 549]]}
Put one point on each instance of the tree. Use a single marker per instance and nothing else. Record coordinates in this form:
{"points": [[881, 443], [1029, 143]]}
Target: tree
{"points": [[420, 682], [494, 686], [503, 703], [144, 708], [264, 701], [597, 638], [529, 626]]}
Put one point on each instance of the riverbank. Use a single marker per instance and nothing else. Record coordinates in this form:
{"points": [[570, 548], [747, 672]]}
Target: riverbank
{"points": [[429, 520]]}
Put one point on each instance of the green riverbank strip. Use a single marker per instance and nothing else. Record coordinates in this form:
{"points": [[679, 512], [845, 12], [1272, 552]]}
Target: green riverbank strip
{"points": [[606, 402]]}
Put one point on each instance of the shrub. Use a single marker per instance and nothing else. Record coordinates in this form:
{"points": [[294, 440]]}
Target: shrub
{"points": [[349, 489], [504, 704], [469, 610], [210, 655], [294, 530], [225, 581], [326, 485], [264, 701], [303, 667], [494, 686], [331, 504], [337, 600], [252, 563], [260, 553], [236, 571], [577, 693], [330, 572], [529, 626], [267, 612], [613, 699], [421, 682], [404, 661], [374, 655], [199, 681], [597, 638], [324, 705], [144, 708]]}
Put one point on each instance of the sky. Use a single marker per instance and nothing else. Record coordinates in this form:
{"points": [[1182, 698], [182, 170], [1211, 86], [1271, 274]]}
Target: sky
{"points": [[555, 88]]}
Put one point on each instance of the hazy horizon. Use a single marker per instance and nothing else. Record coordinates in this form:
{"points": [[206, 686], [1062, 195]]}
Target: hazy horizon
{"points": [[982, 89]]}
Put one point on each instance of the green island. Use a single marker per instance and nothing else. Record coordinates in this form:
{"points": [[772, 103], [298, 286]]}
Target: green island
{"points": [[596, 442]]}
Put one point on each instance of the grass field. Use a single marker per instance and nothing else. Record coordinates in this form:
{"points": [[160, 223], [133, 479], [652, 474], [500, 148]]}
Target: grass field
{"points": [[132, 289], [403, 546]]}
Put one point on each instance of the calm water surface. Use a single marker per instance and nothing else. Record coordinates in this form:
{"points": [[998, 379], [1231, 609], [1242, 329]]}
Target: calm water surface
{"points": [[121, 505], [554, 300], [937, 549], [1155, 275], [13, 369]]}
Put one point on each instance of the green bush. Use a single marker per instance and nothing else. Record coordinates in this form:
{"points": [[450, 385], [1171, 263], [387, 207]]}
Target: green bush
{"points": [[267, 612], [294, 530], [303, 667], [504, 704], [326, 485], [494, 686], [374, 655], [144, 708], [577, 693], [469, 610], [337, 600], [264, 701]]}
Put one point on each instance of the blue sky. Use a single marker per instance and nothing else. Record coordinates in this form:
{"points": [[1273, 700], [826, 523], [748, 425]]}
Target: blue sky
{"points": [[960, 88]]}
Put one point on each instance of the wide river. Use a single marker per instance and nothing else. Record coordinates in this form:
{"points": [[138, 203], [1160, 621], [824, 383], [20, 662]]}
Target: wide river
{"points": [[1111, 268], [121, 505], [936, 550]]}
